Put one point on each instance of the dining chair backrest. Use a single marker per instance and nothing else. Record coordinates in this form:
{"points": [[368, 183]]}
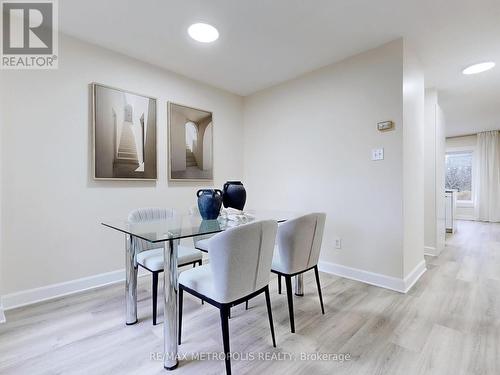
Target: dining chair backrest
{"points": [[241, 258], [299, 242], [142, 215]]}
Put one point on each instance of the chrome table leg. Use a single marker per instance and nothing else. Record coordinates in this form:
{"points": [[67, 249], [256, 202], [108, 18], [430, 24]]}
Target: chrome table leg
{"points": [[130, 281], [299, 285], [170, 361]]}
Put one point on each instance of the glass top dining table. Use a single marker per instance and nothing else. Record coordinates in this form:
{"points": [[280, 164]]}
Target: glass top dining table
{"points": [[167, 233], [181, 226]]}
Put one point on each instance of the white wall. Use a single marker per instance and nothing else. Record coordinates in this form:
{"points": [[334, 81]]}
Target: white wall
{"points": [[467, 142], [52, 207], [434, 160], [440, 177], [2, 122], [305, 146], [413, 160], [308, 145], [464, 211], [430, 238]]}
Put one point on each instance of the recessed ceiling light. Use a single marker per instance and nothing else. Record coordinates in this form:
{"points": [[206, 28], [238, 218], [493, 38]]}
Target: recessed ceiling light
{"points": [[203, 32], [478, 68]]}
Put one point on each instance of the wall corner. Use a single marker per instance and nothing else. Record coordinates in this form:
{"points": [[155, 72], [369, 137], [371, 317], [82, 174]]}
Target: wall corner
{"points": [[413, 160]]}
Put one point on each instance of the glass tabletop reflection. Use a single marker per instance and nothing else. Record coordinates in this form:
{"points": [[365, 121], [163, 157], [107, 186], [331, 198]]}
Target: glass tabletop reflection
{"points": [[191, 225]]}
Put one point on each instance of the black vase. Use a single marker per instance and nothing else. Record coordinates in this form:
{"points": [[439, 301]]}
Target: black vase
{"points": [[234, 195], [209, 203]]}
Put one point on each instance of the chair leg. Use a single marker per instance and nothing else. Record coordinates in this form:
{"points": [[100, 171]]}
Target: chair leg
{"points": [[246, 305], [200, 263], [289, 294], [270, 315], [224, 320], [279, 284], [155, 295], [319, 289], [181, 300]]}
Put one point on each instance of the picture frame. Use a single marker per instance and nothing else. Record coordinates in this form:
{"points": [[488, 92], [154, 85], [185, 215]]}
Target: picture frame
{"points": [[190, 143], [124, 134]]}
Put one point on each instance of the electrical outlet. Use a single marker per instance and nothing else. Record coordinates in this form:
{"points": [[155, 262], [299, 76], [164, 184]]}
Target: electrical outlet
{"points": [[338, 243]]}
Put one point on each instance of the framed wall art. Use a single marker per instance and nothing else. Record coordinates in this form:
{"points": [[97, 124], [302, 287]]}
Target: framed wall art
{"points": [[124, 134], [190, 143]]}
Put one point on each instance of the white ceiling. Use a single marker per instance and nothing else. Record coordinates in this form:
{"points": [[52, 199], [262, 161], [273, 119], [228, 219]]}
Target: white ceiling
{"points": [[265, 42]]}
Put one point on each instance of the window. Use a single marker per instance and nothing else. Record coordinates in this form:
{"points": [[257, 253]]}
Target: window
{"points": [[459, 174]]}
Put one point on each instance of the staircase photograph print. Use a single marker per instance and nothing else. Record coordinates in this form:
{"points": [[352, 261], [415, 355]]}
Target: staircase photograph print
{"points": [[124, 134], [191, 143]]}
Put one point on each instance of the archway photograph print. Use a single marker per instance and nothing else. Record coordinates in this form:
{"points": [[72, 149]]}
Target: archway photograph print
{"points": [[190, 143], [124, 135]]}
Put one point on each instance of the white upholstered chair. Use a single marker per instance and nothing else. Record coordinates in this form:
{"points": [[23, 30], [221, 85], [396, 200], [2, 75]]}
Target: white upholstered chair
{"points": [[239, 269], [202, 244], [299, 244], [150, 257]]}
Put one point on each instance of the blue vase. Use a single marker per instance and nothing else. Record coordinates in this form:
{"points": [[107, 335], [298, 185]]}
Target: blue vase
{"points": [[209, 203], [207, 226], [234, 195]]}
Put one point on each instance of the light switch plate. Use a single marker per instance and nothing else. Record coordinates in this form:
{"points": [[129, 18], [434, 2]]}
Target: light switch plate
{"points": [[378, 154]]}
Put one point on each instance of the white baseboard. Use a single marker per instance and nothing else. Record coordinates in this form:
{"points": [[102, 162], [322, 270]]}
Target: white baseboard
{"points": [[465, 217], [372, 278], [414, 275], [430, 250], [48, 292], [388, 282], [30, 296]]}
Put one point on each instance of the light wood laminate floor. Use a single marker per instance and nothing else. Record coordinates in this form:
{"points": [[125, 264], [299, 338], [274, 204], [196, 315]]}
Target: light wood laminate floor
{"points": [[449, 323]]}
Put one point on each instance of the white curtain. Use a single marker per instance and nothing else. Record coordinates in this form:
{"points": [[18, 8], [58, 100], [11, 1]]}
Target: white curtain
{"points": [[487, 177]]}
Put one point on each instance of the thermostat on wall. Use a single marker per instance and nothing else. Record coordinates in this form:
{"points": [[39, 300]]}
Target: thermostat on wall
{"points": [[385, 125]]}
